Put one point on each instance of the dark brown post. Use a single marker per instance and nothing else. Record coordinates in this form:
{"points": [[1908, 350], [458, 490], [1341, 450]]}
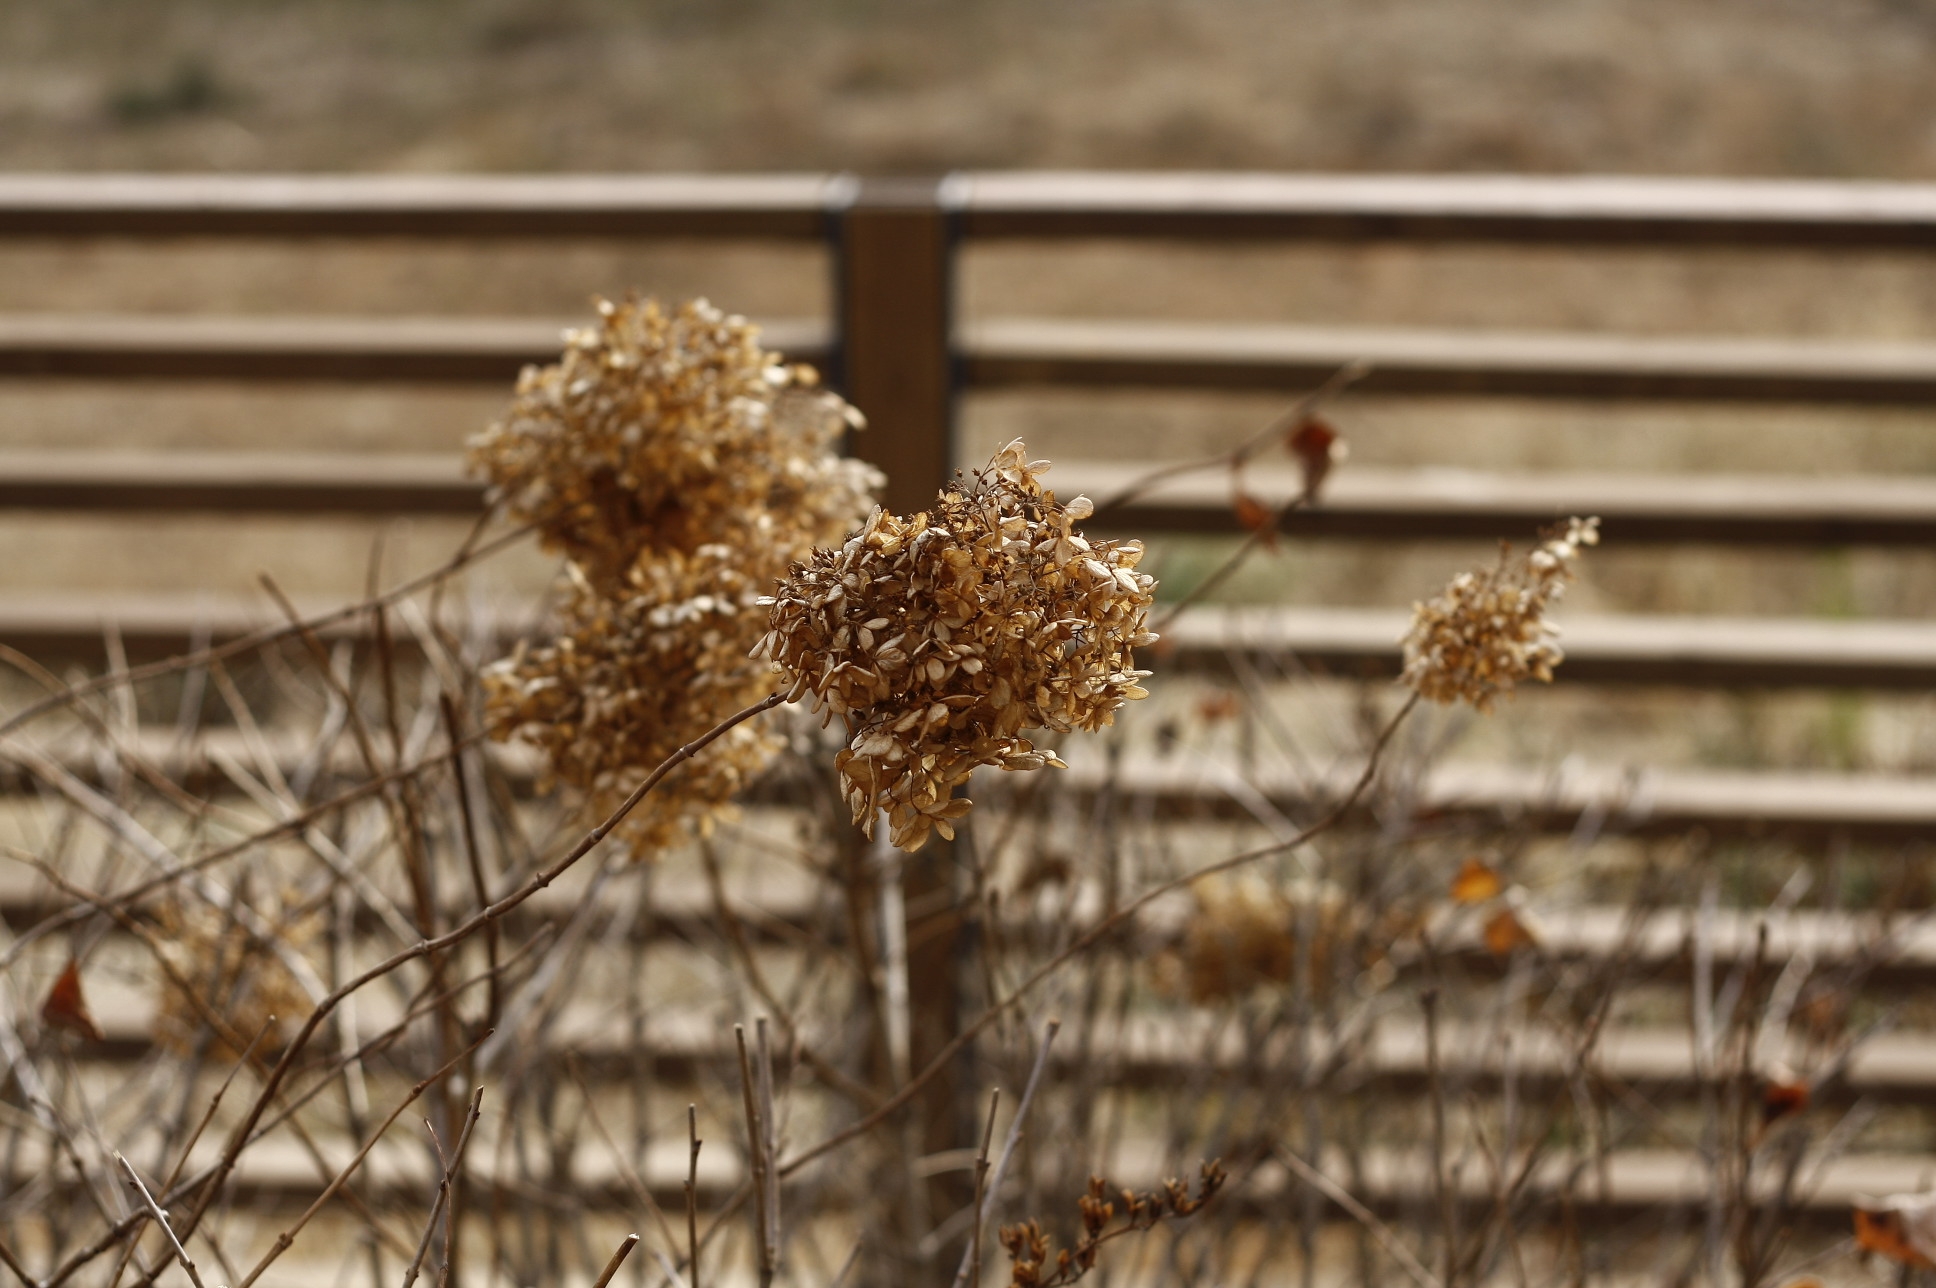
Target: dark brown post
{"points": [[894, 361]]}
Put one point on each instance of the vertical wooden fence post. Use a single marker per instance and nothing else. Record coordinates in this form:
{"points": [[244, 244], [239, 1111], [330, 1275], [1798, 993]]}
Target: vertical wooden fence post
{"points": [[894, 266], [895, 361]]}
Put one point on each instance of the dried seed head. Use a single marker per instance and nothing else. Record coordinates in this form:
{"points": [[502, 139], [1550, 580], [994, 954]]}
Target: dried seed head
{"points": [[1488, 632], [941, 639], [667, 431], [234, 976], [1246, 932], [681, 469], [631, 678]]}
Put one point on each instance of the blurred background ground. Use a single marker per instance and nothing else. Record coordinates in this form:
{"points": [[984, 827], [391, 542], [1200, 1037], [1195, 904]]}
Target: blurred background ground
{"points": [[1767, 87]]}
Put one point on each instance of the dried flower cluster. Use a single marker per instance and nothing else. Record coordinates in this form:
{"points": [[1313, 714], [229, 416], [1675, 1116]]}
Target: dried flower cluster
{"points": [[1029, 1249], [232, 975], [940, 639], [1488, 632], [681, 469], [1245, 933], [669, 431]]}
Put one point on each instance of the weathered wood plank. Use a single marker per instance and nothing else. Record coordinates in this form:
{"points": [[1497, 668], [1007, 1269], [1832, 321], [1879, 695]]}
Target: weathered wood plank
{"points": [[895, 272], [284, 483], [1627, 800], [1361, 502], [1358, 503], [1614, 800], [445, 207], [270, 348], [1896, 1067], [1340, 207], [990, 204], [1721, 652], [1014, 352]]}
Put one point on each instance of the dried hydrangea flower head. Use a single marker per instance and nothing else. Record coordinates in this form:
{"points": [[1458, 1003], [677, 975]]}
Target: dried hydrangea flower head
{"points": [[669, 430], [231, 975], [1488, 631], [631, 678], [681, 469], [941, 639]]}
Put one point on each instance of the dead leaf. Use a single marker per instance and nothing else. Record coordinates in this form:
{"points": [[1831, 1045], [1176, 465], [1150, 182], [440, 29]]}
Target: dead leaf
{"points": [[1218, 705], [1254, 516], [1317, 447], [1901, 1227], [1507, 930], [66, 1007], [1476, 882], [1783, 1095]]}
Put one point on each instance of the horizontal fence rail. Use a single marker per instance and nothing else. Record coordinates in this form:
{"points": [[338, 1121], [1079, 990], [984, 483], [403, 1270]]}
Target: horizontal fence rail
{"points": [[985, 205], [1001, 353], [1701, 652], [1004, 353], [1447, 208], [1360, 503], [788, 207], [408, 350], [1609, 800]]}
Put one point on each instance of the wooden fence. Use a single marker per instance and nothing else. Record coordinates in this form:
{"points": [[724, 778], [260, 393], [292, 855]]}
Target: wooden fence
{"points": [[894, 346]]}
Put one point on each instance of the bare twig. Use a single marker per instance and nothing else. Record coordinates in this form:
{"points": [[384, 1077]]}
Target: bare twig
{"points": [[692, 1196], [981, 1188], [847, 1266], [756, 1159], [633, 1181], [342, 1177], [625, 1247], [1441, 1186], [473, 858], [451, 1167], [1363, 1215], [769, 1143], [161, 1219], [20, 1272], [1298, 412], [985, 1207]]}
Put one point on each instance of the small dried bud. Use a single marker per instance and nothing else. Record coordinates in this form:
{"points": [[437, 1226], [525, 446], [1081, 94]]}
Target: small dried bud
{"points": [[230, 973], [1487, 632], [939, 640]]}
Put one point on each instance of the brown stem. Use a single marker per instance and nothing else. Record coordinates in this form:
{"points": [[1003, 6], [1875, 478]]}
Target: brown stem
{"points": [[342, 1177], [625, 1247], [1296, 414], [692, 1197]]}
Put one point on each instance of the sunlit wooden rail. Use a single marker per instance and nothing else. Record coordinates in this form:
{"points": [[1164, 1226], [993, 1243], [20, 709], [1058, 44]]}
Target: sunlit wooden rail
{"points": [[1622, 801], [1360, 503], [1699, 652]]}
